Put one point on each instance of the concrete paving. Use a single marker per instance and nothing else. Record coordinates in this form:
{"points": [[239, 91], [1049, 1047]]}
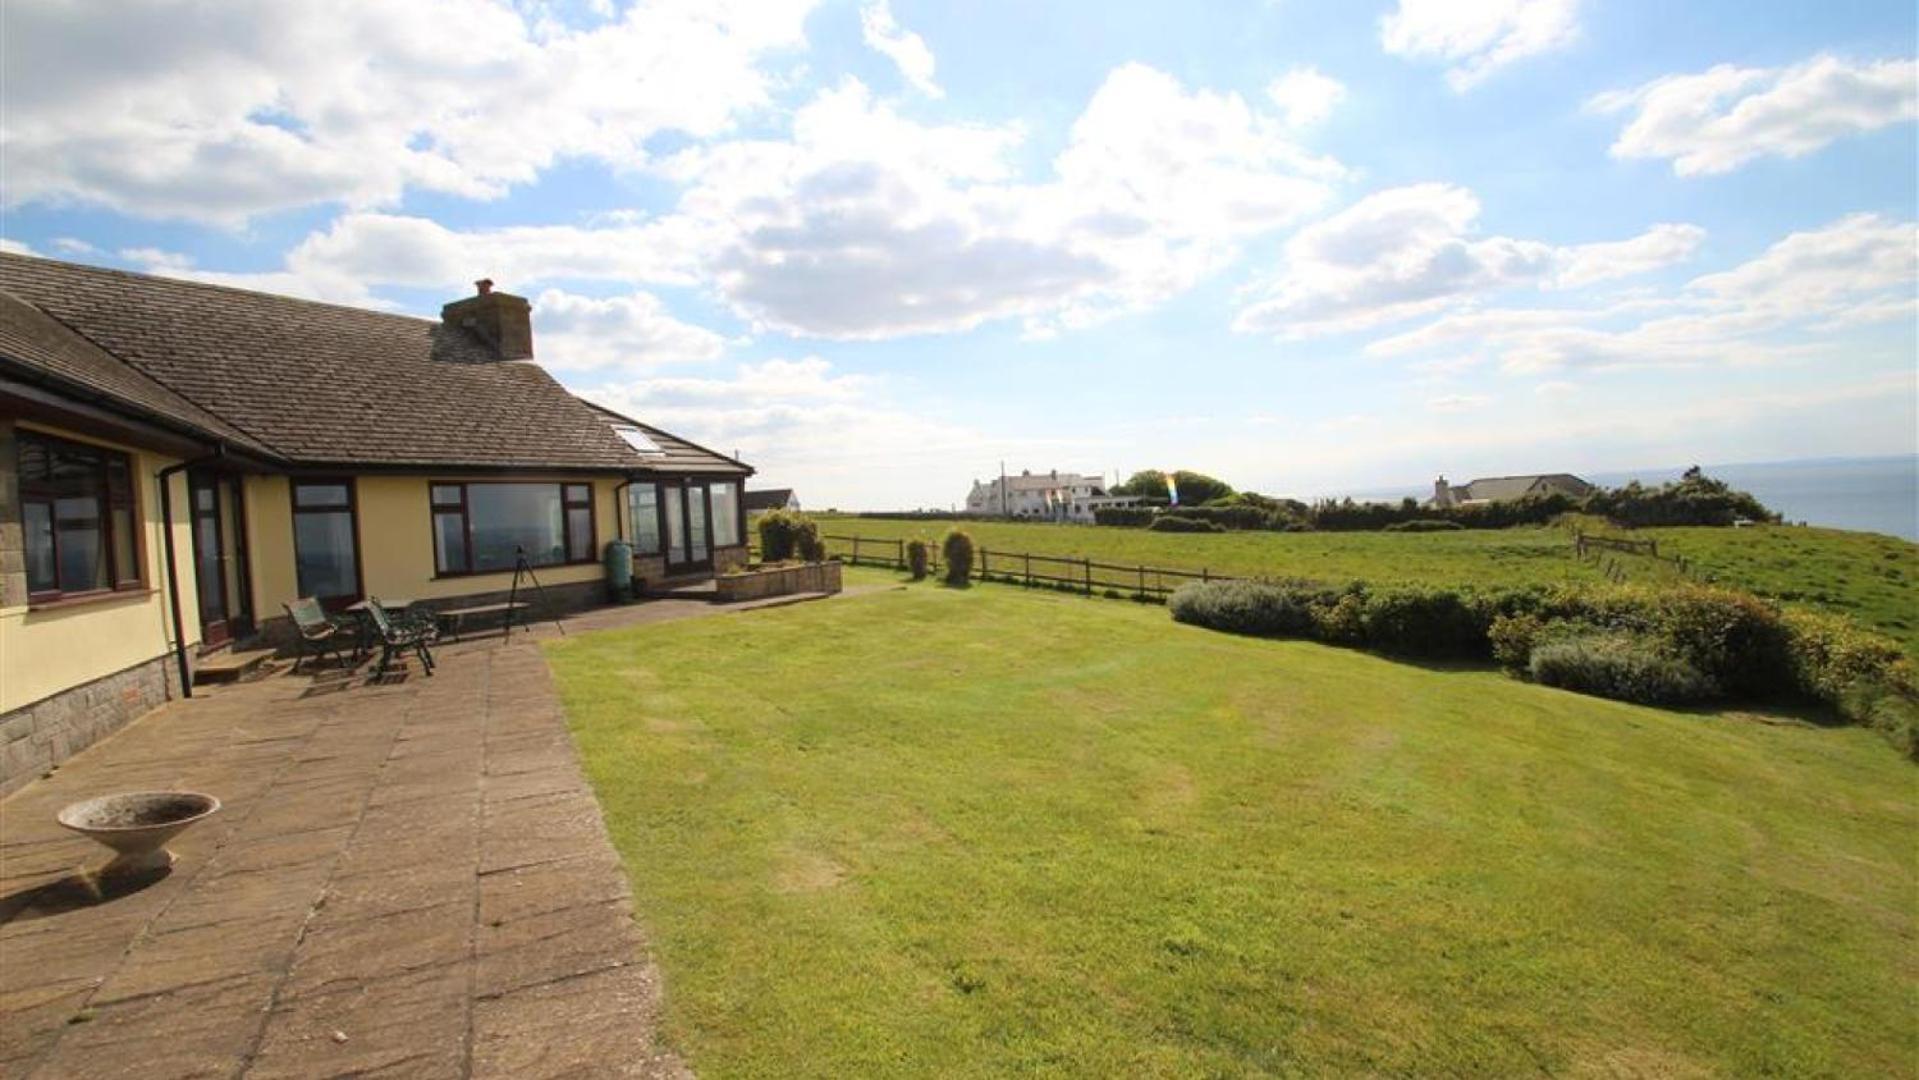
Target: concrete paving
{"points": [[407, 879]]}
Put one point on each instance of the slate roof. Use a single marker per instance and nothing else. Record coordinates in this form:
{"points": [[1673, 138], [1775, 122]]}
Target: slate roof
{"points": [[43, 348], [324, 384], [680, 455], [768, 499], [1501, 488]]}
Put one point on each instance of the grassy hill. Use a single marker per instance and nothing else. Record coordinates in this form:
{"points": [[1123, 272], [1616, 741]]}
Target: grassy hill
{"points": [[1873, 578], [988, 832]]}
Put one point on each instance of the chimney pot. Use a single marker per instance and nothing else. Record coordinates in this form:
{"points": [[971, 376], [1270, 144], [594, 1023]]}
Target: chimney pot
{"points": [[501, 321]]}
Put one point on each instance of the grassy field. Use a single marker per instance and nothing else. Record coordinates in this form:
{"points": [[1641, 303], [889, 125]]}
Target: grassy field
{"points": [[1515, 556], [1873, 578], [987, 831]]}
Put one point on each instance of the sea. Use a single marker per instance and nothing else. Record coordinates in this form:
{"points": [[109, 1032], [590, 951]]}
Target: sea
{"points": [[1871, 494]]}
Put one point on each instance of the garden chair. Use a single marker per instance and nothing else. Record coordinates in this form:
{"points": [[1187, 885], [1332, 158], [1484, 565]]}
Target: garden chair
{"points": [[397, 636], [321, 635]]}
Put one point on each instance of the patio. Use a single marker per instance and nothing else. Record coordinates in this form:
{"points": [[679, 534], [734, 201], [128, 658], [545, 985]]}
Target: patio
{"points": [[406, 879]]}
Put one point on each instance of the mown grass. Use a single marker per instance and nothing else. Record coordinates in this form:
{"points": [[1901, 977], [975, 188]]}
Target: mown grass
{"points": [[1503, 556], [989, 831]]}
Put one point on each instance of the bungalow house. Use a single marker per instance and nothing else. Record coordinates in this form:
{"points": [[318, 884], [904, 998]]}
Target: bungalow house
{"points": [[179, 460], [1505, 488]]}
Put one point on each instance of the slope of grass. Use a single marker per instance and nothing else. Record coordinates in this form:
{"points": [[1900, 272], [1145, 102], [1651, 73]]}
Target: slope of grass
{"points": [[1504, 556], [987, 831], [1868, 576]]}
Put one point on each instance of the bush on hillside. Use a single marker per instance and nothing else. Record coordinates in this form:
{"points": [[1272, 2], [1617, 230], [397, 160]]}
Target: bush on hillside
{"points": [[1183, 524], [807, 543], [917, 557], [1435, 622], [1245, 607], [1693, 499], [1135, 517], [1621, 666], [1421, 525], [957, 552]]}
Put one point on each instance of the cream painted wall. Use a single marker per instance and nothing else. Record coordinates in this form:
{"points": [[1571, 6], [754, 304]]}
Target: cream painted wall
{"points": [[45, 651], [396, 540]]}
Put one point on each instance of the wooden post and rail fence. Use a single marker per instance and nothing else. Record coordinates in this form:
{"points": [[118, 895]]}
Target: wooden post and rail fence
{"points": [[1587, 547], [1063, 572]]}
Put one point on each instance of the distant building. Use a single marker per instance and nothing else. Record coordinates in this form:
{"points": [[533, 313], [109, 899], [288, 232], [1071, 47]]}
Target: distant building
{"points": [[1047, 496], [1504, 488], [771, 499]]}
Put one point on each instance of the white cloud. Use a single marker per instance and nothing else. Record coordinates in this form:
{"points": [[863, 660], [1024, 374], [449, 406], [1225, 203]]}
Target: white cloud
{"points": [[15, 247], [838, 439], [579, 332], [1478, 36], [1305, 96], [1717, 120], [907, 50], [866, 225], [1779, 305], [1457, 403], [71, 245], [218, 113], [1409, 251]]}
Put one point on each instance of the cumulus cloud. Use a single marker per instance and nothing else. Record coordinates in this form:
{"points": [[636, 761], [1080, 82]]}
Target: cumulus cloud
{"points": [[221, 113], [907, 50], [635, 330], [865, 225], [1305, 96], [1458, 403], [1410, 251], [1717, 120], [1779, 305], [1477, 37]]}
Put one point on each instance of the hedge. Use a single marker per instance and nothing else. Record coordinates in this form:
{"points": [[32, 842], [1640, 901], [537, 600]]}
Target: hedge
{"points": [[1182, 523], [1631, 638]]}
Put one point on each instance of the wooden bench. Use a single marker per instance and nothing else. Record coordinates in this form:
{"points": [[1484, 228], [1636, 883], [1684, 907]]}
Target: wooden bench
{"points": [[512, 609]]}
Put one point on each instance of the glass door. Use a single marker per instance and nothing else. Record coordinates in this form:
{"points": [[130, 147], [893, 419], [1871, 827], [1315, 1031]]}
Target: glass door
{"points": [[219, 559], [689, 541]]}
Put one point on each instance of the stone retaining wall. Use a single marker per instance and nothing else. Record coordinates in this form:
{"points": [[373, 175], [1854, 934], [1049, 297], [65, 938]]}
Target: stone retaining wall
{"points": [[278, 634], [821, 577], [36, 737]]}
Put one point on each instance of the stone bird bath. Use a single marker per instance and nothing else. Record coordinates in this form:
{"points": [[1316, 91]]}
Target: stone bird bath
{"points": [[137, 825]]}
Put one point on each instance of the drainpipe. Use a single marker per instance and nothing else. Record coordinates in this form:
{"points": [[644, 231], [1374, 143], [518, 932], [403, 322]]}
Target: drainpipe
{"points": [[173, 570]]}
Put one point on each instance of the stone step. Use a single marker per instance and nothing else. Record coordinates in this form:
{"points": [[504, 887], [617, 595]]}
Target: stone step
{"points": [[229, 665]]}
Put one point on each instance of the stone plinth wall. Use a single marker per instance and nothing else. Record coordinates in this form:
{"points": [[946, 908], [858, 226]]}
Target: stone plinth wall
{"points": [[36, 737], [759, 584]]}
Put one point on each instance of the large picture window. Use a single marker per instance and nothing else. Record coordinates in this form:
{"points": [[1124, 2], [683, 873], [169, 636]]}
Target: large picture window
{"points": [[726, 514], [326, 551], [482, 528], [78, 515], [643, 517]]}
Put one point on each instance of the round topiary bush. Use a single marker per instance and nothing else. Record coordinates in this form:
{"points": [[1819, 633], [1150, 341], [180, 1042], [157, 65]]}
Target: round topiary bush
{"points": [[957, 552]]}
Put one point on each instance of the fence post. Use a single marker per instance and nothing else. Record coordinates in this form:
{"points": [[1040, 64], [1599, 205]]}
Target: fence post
{"points": [[899, 554], [1089, 575], [1142, 581], [1029, 569], [1204, 576], [856, 551], [1653, 546], [982, 564]]}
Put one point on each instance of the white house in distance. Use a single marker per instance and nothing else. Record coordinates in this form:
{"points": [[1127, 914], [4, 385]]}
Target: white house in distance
{"points": [[1047, 496]]}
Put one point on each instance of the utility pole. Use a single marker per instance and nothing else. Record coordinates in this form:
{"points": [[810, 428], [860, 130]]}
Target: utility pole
{"points": [[1003, 512]]}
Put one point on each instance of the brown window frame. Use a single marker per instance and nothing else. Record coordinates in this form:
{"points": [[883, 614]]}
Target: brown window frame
{"points": [[463, 509], [352, 509], [38, 492]]}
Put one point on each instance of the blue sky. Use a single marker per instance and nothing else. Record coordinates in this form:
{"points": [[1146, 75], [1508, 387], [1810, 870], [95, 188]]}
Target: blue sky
{"points": [[879, 248]]}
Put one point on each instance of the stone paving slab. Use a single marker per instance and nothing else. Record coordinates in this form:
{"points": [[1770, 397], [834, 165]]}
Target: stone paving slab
{"points": [[406, 879]]}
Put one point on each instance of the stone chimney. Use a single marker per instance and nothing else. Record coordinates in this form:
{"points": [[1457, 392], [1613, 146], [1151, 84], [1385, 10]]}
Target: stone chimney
{"points": [[501, 321]]}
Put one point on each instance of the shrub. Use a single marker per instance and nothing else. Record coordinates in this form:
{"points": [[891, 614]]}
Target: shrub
{"points": [[957, 552], [1137, 517], [807, 543], [917, 558], [1244, 607], [1512, 638], [1424, 525], [1622, 666], [1426, 622], [1181, 523], [777, 532]]}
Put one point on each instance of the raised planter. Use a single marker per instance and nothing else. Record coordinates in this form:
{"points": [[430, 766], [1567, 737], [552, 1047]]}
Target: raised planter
{"points": [[137, 826], [760, 583]]}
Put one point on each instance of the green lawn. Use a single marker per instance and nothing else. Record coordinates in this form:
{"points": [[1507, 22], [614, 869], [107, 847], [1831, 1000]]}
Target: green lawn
{"points": [[979, 832], [1872, 578], [1502, 556]]}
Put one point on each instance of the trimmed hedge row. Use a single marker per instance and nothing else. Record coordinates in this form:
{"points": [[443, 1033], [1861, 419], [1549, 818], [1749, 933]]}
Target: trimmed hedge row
{"points": [[1184, 523], [1660, 645]]}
